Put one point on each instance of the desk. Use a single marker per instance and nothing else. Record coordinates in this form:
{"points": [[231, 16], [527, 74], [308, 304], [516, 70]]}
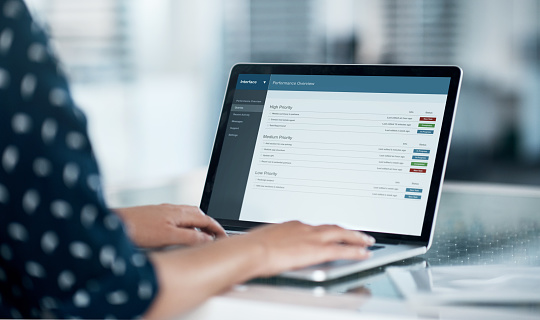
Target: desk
{"points": [[477, 225]]}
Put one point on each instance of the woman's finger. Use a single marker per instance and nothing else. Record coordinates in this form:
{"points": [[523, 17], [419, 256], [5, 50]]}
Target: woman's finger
{"points": [[333, 233], [192, 217]]}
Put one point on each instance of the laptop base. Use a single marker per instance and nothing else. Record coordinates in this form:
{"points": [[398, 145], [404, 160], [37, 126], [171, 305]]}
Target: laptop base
{"points": [[340, 268]]}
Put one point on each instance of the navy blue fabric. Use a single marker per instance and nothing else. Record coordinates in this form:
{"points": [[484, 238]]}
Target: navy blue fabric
{"points": [[63, 253]]}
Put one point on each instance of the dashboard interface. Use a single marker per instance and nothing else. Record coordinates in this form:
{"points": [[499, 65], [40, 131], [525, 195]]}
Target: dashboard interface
{"points": [[357, 151]]}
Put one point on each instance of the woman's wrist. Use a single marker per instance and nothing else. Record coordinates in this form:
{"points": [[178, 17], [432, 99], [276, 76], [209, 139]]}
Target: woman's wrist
{"points": [[210, 268], [255, 253]]}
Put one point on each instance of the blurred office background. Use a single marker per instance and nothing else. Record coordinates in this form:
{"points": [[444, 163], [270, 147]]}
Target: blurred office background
{"points": [[151, 74]]}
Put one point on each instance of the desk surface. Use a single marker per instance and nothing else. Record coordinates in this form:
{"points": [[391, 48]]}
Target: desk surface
{"points": [[476, 225]]}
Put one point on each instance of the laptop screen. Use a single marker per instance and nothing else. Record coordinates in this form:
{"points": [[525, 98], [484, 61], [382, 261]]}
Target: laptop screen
{"points": [[356, 151]]}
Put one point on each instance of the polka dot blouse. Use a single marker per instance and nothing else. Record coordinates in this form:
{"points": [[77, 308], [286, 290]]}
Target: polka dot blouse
{"points": [[62, 252]]}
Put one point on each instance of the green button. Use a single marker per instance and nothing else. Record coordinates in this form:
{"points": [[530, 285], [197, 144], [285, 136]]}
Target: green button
{"points": [[426, 125], [419, 164]]}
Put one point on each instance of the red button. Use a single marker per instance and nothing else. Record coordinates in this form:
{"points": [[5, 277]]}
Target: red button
{"points": [[428, 119], [418, 170]]}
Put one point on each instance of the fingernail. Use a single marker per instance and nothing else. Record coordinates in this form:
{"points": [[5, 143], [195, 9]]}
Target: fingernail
{"points": [[365, 252], [369, 239]]}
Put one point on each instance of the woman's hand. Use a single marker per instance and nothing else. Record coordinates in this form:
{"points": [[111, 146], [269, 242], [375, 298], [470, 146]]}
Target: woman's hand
{"points": [[166, 224], [293, 245], [190, 276]]}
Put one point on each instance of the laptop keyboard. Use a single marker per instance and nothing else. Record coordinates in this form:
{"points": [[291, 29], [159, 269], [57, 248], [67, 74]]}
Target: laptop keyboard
{"points": [[234, 233]]}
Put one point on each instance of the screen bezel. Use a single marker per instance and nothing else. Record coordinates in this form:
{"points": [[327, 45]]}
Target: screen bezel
{"points": [[453, 72]]}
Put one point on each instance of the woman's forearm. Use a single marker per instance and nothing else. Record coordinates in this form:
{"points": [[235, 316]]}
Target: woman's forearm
{"points": [[190, 276]]}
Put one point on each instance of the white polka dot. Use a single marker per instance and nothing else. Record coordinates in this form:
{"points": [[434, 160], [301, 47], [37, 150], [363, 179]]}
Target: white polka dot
{"points": [[12, 9], [75, 140], [88, 215], [35, 269], [66, 280], [37, 52], [5, 252], [28, 86], [58, 97], [10, 158], [17, 231], [80, 250], [4, 194], [109, 317], [42, 167], [138, 259], [48, 303], [48, 130], [117, 297], [94, 182], [21, 123], [30, 201], [60, 209], [71, 174], [81, 299], [4, 78], [49, 241], [119, 267], [6, 39], [145, 290], [107, 255], [111, 221]]}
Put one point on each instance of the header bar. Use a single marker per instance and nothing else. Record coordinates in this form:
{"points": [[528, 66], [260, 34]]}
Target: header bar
{"points": [[345, 83]]}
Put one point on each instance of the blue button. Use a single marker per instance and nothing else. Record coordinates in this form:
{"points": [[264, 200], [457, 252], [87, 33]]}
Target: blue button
{"points": [[425, 131], [413, 190], [420, 151], [420, 157], [410, 196]]}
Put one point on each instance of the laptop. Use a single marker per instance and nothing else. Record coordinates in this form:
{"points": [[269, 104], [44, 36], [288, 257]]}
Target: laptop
{"points": [[361, 146]]}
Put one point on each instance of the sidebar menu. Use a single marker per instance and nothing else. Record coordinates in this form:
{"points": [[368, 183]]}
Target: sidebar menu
{"points": [[237, 152]]}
